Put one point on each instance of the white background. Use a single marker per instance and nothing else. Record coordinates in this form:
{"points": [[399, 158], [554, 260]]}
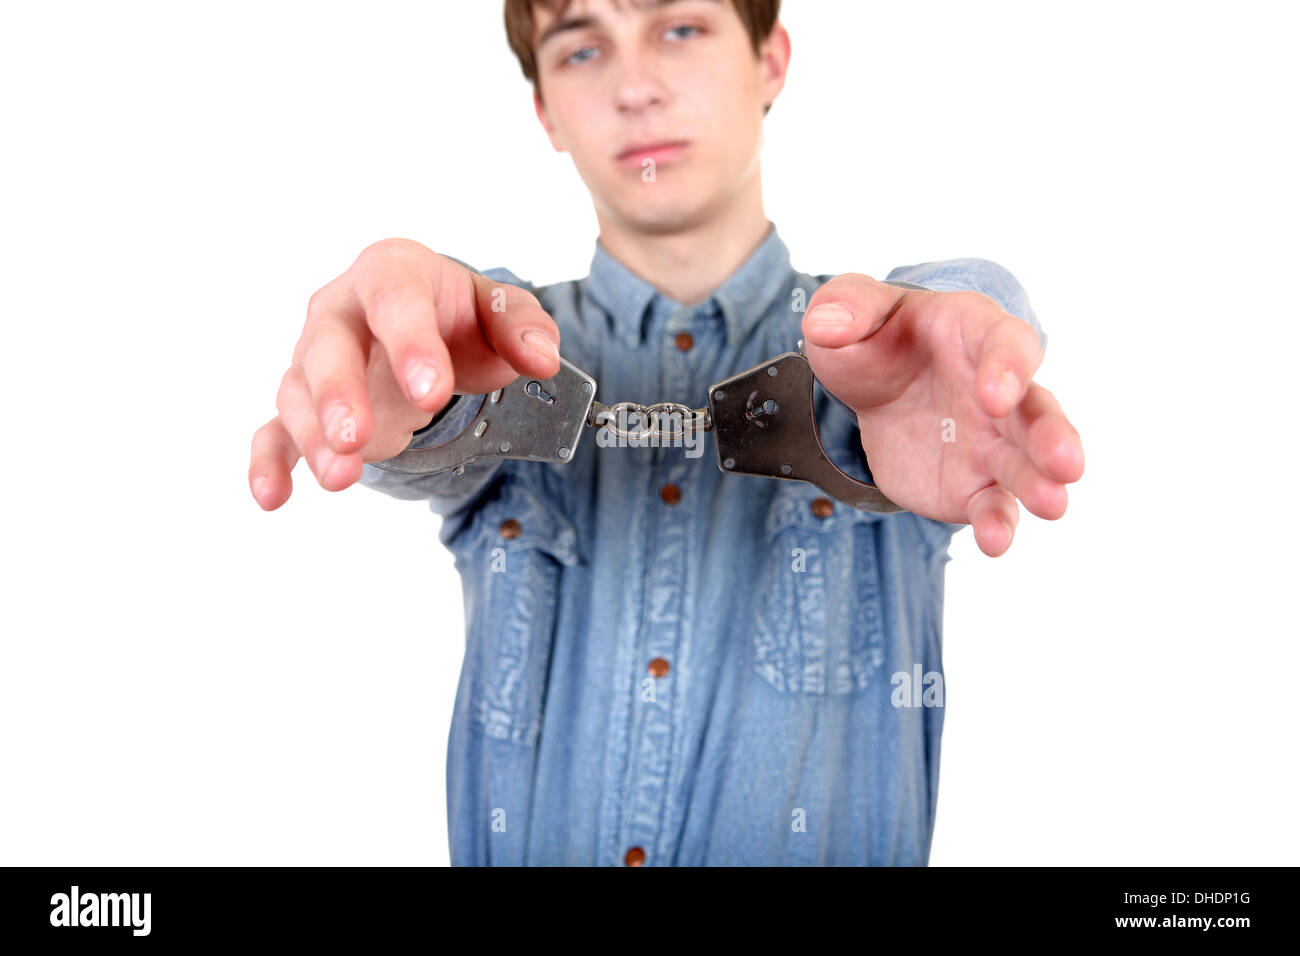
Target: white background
{"points": [[188, 680]]}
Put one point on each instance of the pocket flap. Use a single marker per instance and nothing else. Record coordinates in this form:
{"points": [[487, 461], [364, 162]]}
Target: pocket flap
{"points": [[799, 504], [517, 518]]}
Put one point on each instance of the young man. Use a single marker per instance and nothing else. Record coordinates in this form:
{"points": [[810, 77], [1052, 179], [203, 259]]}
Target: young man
{"points": [[666, 664]]}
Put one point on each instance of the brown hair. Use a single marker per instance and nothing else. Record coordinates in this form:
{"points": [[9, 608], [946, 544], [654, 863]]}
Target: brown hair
{"points": [[758, 17]]}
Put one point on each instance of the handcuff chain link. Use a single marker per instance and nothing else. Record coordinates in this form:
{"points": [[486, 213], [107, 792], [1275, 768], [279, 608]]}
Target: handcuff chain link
{"points": [[613, 417]]}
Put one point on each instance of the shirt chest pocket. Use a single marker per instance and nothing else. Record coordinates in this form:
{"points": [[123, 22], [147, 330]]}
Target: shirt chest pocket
{"points": [[516, 557], [818, 626]]}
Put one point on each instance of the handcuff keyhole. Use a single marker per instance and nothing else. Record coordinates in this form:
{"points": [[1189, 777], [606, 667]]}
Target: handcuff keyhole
{"points": [[535, 390], [769, 407]]}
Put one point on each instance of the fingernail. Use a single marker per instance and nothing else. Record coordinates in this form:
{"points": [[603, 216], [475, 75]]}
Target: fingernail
{"points": [[420, 379], [259, 484], [541, 344], [830, 314], [335, 416]]}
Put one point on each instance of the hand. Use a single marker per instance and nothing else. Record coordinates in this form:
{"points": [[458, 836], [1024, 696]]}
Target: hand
{"points": [[953, 426], [384, 347]]}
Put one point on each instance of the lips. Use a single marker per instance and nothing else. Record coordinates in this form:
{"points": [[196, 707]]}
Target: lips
{"points": [[662, 151]]}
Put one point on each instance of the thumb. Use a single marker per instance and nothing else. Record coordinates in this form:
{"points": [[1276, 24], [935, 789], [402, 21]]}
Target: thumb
{"points": [[508, 334], [507, 314], [848, 309]]}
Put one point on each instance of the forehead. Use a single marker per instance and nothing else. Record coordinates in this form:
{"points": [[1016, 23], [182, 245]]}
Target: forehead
{"points": [[556, 16]]}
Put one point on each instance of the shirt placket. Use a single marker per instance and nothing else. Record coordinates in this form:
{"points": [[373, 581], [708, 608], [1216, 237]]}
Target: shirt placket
{"points": [[647, 834]]}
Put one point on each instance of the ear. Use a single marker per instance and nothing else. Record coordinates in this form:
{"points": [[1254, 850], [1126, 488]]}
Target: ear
{"points": [[774, 62], [544, 117]]}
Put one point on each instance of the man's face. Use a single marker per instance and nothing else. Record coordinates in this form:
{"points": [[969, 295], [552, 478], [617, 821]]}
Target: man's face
{"points": [[659, 103]]}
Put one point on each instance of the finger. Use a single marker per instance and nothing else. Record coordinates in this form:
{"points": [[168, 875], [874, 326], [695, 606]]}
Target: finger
{"points": [[1005, 350], [993, 516], [401, 311], [333, 471], [1039, 426], [847, 309], [517, 328], [1012, 469], [333, 358], [270, 465]]}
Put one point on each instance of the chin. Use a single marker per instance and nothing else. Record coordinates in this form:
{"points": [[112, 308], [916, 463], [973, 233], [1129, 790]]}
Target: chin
{"points": [[655, 209]]}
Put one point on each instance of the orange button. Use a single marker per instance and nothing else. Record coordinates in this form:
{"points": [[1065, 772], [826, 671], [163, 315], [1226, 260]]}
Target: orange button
{"points": [[634, 856], [510, 528], [671, 494], [658, 667], [684, 341], [822, 507]]}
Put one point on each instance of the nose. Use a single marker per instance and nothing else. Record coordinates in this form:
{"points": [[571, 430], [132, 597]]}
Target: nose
{"points": [[639, 87]]}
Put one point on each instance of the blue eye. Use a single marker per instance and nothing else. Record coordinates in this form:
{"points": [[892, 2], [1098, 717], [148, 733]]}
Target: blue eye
{"points": [[576, 57], [675, 32]]}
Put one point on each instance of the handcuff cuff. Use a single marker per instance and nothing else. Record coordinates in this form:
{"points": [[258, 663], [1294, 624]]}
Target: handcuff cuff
{"points": [[762, 422]]}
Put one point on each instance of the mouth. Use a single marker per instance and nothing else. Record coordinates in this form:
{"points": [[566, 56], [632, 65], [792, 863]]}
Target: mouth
{"points": [[664, 151]]}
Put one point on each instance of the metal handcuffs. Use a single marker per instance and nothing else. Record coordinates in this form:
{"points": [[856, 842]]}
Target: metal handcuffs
{"points": [[762, 422]]}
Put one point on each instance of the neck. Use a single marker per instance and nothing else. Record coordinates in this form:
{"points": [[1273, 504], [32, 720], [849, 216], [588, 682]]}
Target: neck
{"points": [[688, 264]]}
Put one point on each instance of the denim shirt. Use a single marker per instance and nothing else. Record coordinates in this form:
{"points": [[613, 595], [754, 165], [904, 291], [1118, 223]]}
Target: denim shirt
{"points": [[668, 665]]}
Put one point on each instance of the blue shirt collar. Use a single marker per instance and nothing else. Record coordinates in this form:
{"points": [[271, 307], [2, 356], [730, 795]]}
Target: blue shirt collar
{"points": [[742, 298]]}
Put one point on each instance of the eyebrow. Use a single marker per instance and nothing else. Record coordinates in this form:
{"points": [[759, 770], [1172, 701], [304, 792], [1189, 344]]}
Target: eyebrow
{"points": [[563, 24]]}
